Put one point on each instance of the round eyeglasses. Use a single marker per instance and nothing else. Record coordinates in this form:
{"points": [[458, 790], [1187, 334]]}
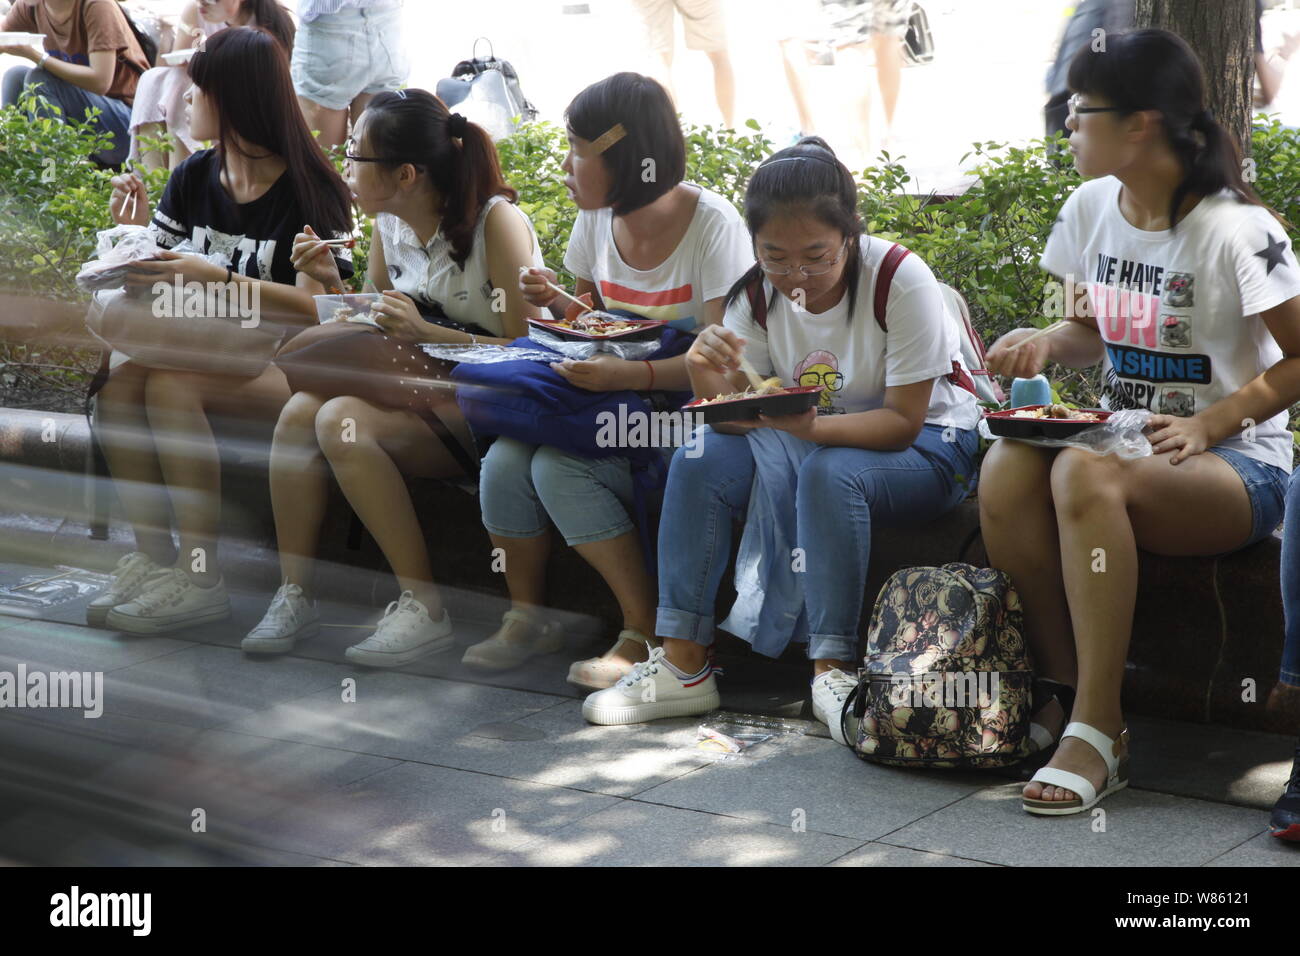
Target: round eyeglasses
{"points": [[808, 271]]}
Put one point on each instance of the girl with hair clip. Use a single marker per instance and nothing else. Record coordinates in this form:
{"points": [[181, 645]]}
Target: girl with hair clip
{"points": [[884, 447], [644, 244], [449, 236], [1194, 316], [159, 108], [241, 205]]}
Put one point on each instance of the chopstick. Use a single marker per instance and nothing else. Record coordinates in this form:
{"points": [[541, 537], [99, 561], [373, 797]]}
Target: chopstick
{"points": [[339, 242], [572, 298], [131, 214], [1055, 326], [755, 382], [32, 584]]}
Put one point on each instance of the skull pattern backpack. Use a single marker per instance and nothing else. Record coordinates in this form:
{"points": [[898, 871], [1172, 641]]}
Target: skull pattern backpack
{"points": [[946, 680]]}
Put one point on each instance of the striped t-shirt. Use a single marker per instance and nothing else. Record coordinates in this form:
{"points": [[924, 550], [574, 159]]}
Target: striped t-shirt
{"points": [[711, 256]]}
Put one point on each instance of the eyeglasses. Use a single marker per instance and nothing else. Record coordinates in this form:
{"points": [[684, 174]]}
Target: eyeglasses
{"points": [[349, 149], [1076, 109], [832, 379], [809, 271]]}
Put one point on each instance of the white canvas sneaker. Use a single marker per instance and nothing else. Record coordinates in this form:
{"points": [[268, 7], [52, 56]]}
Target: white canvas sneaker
{"points": [[404, 633], [289, 617], [127, 582], [170, 601], [829, 692], [651, 691]]}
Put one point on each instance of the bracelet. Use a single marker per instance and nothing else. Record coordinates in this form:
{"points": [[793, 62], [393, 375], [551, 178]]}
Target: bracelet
{"points": [[40, 64], [473, 338], [652, 374], [230, 276]]}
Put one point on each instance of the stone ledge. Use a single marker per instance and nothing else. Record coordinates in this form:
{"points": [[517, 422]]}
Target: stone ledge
{"points": [[1202, 626]]}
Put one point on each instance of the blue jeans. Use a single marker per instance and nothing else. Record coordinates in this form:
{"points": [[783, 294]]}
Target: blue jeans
{"points": [[1290, 673], [114, 116], [842, 494], [522, 485]]}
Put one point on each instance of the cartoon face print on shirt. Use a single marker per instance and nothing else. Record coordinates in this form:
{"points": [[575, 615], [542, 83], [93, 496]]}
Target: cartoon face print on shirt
{"points": [[1175, 331], [822, 368], [1180, 290], [235, 250]]}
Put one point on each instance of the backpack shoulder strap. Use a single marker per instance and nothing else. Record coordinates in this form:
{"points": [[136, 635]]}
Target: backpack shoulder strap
{"points": [[757, 302], [885, 278]]}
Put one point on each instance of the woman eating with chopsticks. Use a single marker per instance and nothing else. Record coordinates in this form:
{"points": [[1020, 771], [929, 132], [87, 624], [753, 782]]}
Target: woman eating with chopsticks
{"points": [[450, 242], [884, 447], [645, 244], [1194, 314]]}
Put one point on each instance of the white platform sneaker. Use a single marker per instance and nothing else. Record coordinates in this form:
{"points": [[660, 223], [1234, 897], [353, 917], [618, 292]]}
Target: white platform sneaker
{"points": [[290, 617], [651, 691]]}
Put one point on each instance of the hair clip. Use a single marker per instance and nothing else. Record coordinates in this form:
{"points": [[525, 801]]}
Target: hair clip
{"points": [[608, 138], [400, 93]]}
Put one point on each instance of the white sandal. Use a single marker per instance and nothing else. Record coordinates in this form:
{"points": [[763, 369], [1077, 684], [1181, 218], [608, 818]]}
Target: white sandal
{"points": [[1086, 795], [598, 673]]}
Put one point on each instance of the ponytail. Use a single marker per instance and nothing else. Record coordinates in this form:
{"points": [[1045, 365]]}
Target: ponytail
{"points": [[414, 126], [475, 179]]}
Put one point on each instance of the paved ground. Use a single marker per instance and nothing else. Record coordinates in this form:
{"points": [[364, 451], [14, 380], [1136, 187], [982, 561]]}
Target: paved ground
{"points": [[433, 765]]}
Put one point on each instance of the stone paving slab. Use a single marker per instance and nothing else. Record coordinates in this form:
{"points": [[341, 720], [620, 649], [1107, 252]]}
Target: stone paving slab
{"points": [[53, 646], [823, 784], [420, 815], [634, 833], [882, 854], [1261, 850], [1142, 829]]}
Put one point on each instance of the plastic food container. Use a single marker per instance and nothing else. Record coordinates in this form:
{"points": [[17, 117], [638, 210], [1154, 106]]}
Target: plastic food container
{"points": [[353, 307], [642, 329], [790, 401], [1005, 424]]}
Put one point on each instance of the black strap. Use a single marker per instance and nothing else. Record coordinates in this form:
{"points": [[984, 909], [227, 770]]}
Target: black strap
{"points": [[468, 463]]}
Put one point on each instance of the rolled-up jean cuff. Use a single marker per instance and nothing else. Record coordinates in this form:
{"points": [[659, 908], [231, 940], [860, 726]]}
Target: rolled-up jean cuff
{"points": [[502, 533], [832, 647], [614, 532], [684, 626], [1290, 677]]}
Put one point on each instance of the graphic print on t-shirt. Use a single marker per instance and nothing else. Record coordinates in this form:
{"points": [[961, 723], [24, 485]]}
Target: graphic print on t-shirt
{"points": [[1142, 308], [820, 367], [666, 304]]}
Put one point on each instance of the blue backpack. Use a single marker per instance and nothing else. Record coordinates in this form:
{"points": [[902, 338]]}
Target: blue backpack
{"points": [[531, 402]]}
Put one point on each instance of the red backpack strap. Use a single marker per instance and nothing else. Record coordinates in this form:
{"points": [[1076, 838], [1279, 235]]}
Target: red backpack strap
{"points": [[757, 302], [885, 278]]}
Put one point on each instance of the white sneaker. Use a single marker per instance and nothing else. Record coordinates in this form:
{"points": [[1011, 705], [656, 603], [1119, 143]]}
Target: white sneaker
{"points": [[170, 601], [498, 654], [128, 581], [829, 692], [404, 633], [289, 617], [651, 691]]}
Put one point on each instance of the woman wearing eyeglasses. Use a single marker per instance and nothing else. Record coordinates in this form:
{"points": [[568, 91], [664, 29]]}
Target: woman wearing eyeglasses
{"points": [[450, 242], [645, 244], [885, 446], [1194, 313]]}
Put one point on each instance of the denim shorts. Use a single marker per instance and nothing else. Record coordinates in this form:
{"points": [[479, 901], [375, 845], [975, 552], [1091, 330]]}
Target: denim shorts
{"points": [[1265, 485], [339, 56]]}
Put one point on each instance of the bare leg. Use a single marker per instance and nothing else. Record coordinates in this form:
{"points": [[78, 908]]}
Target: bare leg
{"points": [[851, 64], [664, 73], [795, 61], [525, 568], [358, 106], [889, 73], [724, 86], [620, 562], [1106, 508], [178, 405], [128, 446], [1018, 522], [180, 152], [299, 488], [332, 124], [371, 459]]}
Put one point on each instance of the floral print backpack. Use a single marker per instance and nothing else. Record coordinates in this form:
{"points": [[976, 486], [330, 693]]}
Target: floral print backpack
{"points": [[946, 680]]}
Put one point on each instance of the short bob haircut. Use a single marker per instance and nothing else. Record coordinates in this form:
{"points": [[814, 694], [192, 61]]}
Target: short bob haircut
{"points": [[644, 108]]}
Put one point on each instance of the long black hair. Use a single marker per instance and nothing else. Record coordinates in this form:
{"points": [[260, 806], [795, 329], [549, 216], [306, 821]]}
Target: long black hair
{"points": [[804, 179], [245, 72], [272, 17], [414, 126], [1157, 70]]}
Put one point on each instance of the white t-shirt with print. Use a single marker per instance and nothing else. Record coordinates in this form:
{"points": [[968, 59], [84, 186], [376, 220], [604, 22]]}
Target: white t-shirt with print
{"points": [[714, 253], [1179, 311], [428, 274], [854, 359]]}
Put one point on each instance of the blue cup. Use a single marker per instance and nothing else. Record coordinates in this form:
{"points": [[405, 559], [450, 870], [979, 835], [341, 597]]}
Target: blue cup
{"points": [[1031, 391]]}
